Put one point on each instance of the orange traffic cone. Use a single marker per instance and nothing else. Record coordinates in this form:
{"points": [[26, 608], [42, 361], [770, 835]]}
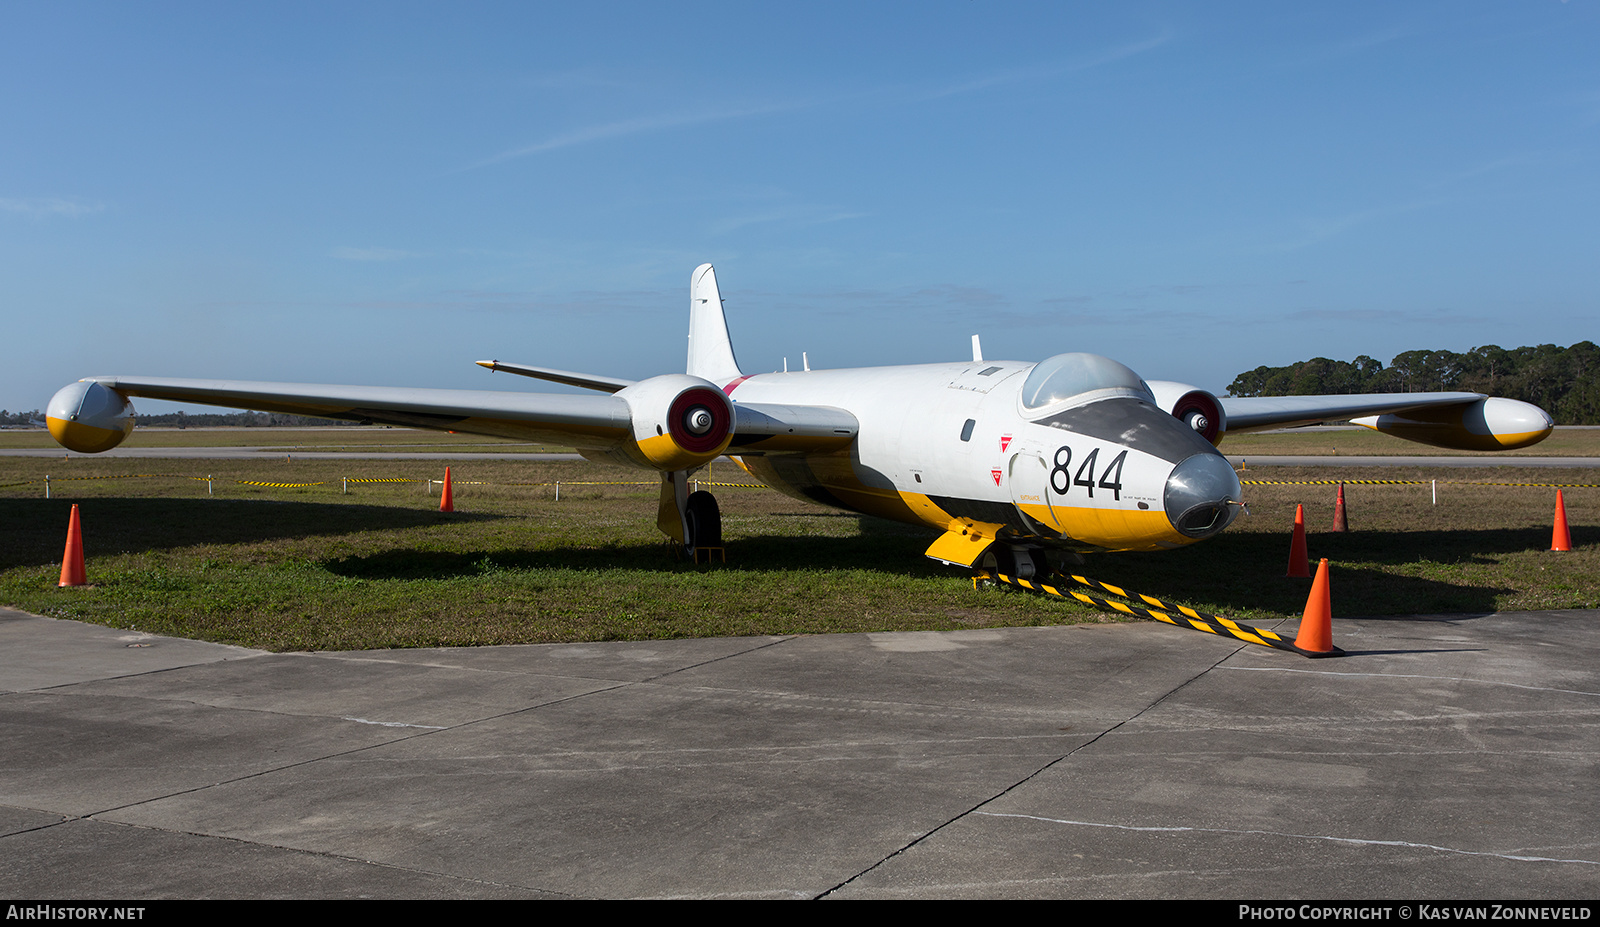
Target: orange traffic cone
{"points": [[1298, 566], [447, 502], [72, 560], [1340, 523], [1561, 538], [1316, 625]]}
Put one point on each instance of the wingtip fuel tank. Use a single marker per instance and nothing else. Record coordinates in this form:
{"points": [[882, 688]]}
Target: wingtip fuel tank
{"points": [[89, 417], [1490, 424]]}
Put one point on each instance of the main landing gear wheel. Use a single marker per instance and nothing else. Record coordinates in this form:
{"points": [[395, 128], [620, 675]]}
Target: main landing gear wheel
{"points": [[1021, 562], [705, 520]]}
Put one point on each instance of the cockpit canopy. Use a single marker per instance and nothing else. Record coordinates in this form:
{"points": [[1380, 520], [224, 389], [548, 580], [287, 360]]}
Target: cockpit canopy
{"points": [[1084, 377]]}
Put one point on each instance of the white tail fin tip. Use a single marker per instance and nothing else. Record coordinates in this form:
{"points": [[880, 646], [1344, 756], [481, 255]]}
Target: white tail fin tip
{"points": [[710, 350]]}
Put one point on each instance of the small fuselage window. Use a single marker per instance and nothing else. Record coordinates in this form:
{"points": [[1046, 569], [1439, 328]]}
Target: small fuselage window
{"points": [[966, 430]]}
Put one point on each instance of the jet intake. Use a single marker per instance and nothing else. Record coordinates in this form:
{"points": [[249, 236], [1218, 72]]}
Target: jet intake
{"points": [[1193, 406], [89, 417], [1491, 424], [679, 422]]}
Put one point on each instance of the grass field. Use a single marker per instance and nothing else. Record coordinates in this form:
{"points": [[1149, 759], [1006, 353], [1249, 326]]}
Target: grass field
{"points": [[286, 568]]}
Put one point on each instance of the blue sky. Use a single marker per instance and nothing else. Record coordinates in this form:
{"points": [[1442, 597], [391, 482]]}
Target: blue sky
{"points": [[383, 193]]}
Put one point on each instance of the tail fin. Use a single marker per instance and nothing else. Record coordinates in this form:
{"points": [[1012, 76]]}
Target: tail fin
{"points": [[710, 351]]}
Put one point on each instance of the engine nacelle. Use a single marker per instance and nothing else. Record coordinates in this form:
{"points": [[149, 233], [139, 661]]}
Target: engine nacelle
{"points": [[1193, 406], [1491, 424], [89, 418], [679, 421]]}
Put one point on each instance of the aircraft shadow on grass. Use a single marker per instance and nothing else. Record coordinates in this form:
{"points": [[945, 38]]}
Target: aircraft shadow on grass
{"points": [[36, 529], [894, 552], [1237, 573], [1242, 573]]}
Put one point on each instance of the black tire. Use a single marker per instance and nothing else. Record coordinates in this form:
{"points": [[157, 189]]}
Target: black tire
{"points": [[705, 520], [1016, 563]]}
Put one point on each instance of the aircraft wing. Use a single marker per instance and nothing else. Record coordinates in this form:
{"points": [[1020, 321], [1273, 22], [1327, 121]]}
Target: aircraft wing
{"points": [[1462, 421], [600, 421], [1262, 412], [615, 423]]}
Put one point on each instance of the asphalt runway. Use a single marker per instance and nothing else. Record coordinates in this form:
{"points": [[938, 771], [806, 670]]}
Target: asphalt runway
{"points": [[1447, 757]]}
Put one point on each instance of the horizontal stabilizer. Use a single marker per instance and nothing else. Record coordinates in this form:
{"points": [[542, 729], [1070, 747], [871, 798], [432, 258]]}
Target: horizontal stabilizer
{"points": [[585, 380]]}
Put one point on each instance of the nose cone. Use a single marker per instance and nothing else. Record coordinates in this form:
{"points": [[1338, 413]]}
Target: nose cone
{"points": [[1203, 495]]}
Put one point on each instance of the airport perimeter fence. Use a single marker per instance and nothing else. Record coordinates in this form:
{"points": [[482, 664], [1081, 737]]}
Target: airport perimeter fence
{"points": [[344, 483]]}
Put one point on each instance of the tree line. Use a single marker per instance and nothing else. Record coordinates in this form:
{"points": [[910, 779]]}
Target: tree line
{"points": [[1563, 381]]}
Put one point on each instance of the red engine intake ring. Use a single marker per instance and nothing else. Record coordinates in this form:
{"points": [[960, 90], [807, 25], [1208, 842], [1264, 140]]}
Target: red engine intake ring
{"points": [[1204, 404], [721, 421]]}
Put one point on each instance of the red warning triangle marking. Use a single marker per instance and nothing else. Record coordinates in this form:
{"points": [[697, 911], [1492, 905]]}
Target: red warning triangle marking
{"points": [[996, 475], [1005, 442]]}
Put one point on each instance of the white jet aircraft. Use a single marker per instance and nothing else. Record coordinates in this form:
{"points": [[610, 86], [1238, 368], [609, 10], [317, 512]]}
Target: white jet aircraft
{"points": [[1008, 459]]}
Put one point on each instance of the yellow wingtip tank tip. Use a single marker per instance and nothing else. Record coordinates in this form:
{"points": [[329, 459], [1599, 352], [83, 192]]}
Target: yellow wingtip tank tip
{"points": [[86, 439]]}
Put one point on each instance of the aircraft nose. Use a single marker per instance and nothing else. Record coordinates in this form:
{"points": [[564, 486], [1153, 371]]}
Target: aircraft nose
{"points": [[1203, 495]]}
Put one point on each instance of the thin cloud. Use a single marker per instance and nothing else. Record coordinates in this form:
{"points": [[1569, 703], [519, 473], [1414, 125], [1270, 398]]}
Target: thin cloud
{"points": [[1120, 52], [1150, 291], [1488, 167], [944, 297], [1074, 312], [1388, 317], [793, 216], [1319, 230], [1356, 45], [1374, 39], [373, 254], [666, 121], [583, 302], [49, 206], [1047, 71], [630, 127], [1590, 102], [1160, 290]]}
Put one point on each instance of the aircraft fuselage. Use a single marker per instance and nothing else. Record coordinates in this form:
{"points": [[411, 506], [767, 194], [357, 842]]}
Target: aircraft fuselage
{"points": [[955, 447]]}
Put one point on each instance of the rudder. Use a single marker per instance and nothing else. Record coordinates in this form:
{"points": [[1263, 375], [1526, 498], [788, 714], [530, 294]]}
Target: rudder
{"points": [[710, 349]]}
